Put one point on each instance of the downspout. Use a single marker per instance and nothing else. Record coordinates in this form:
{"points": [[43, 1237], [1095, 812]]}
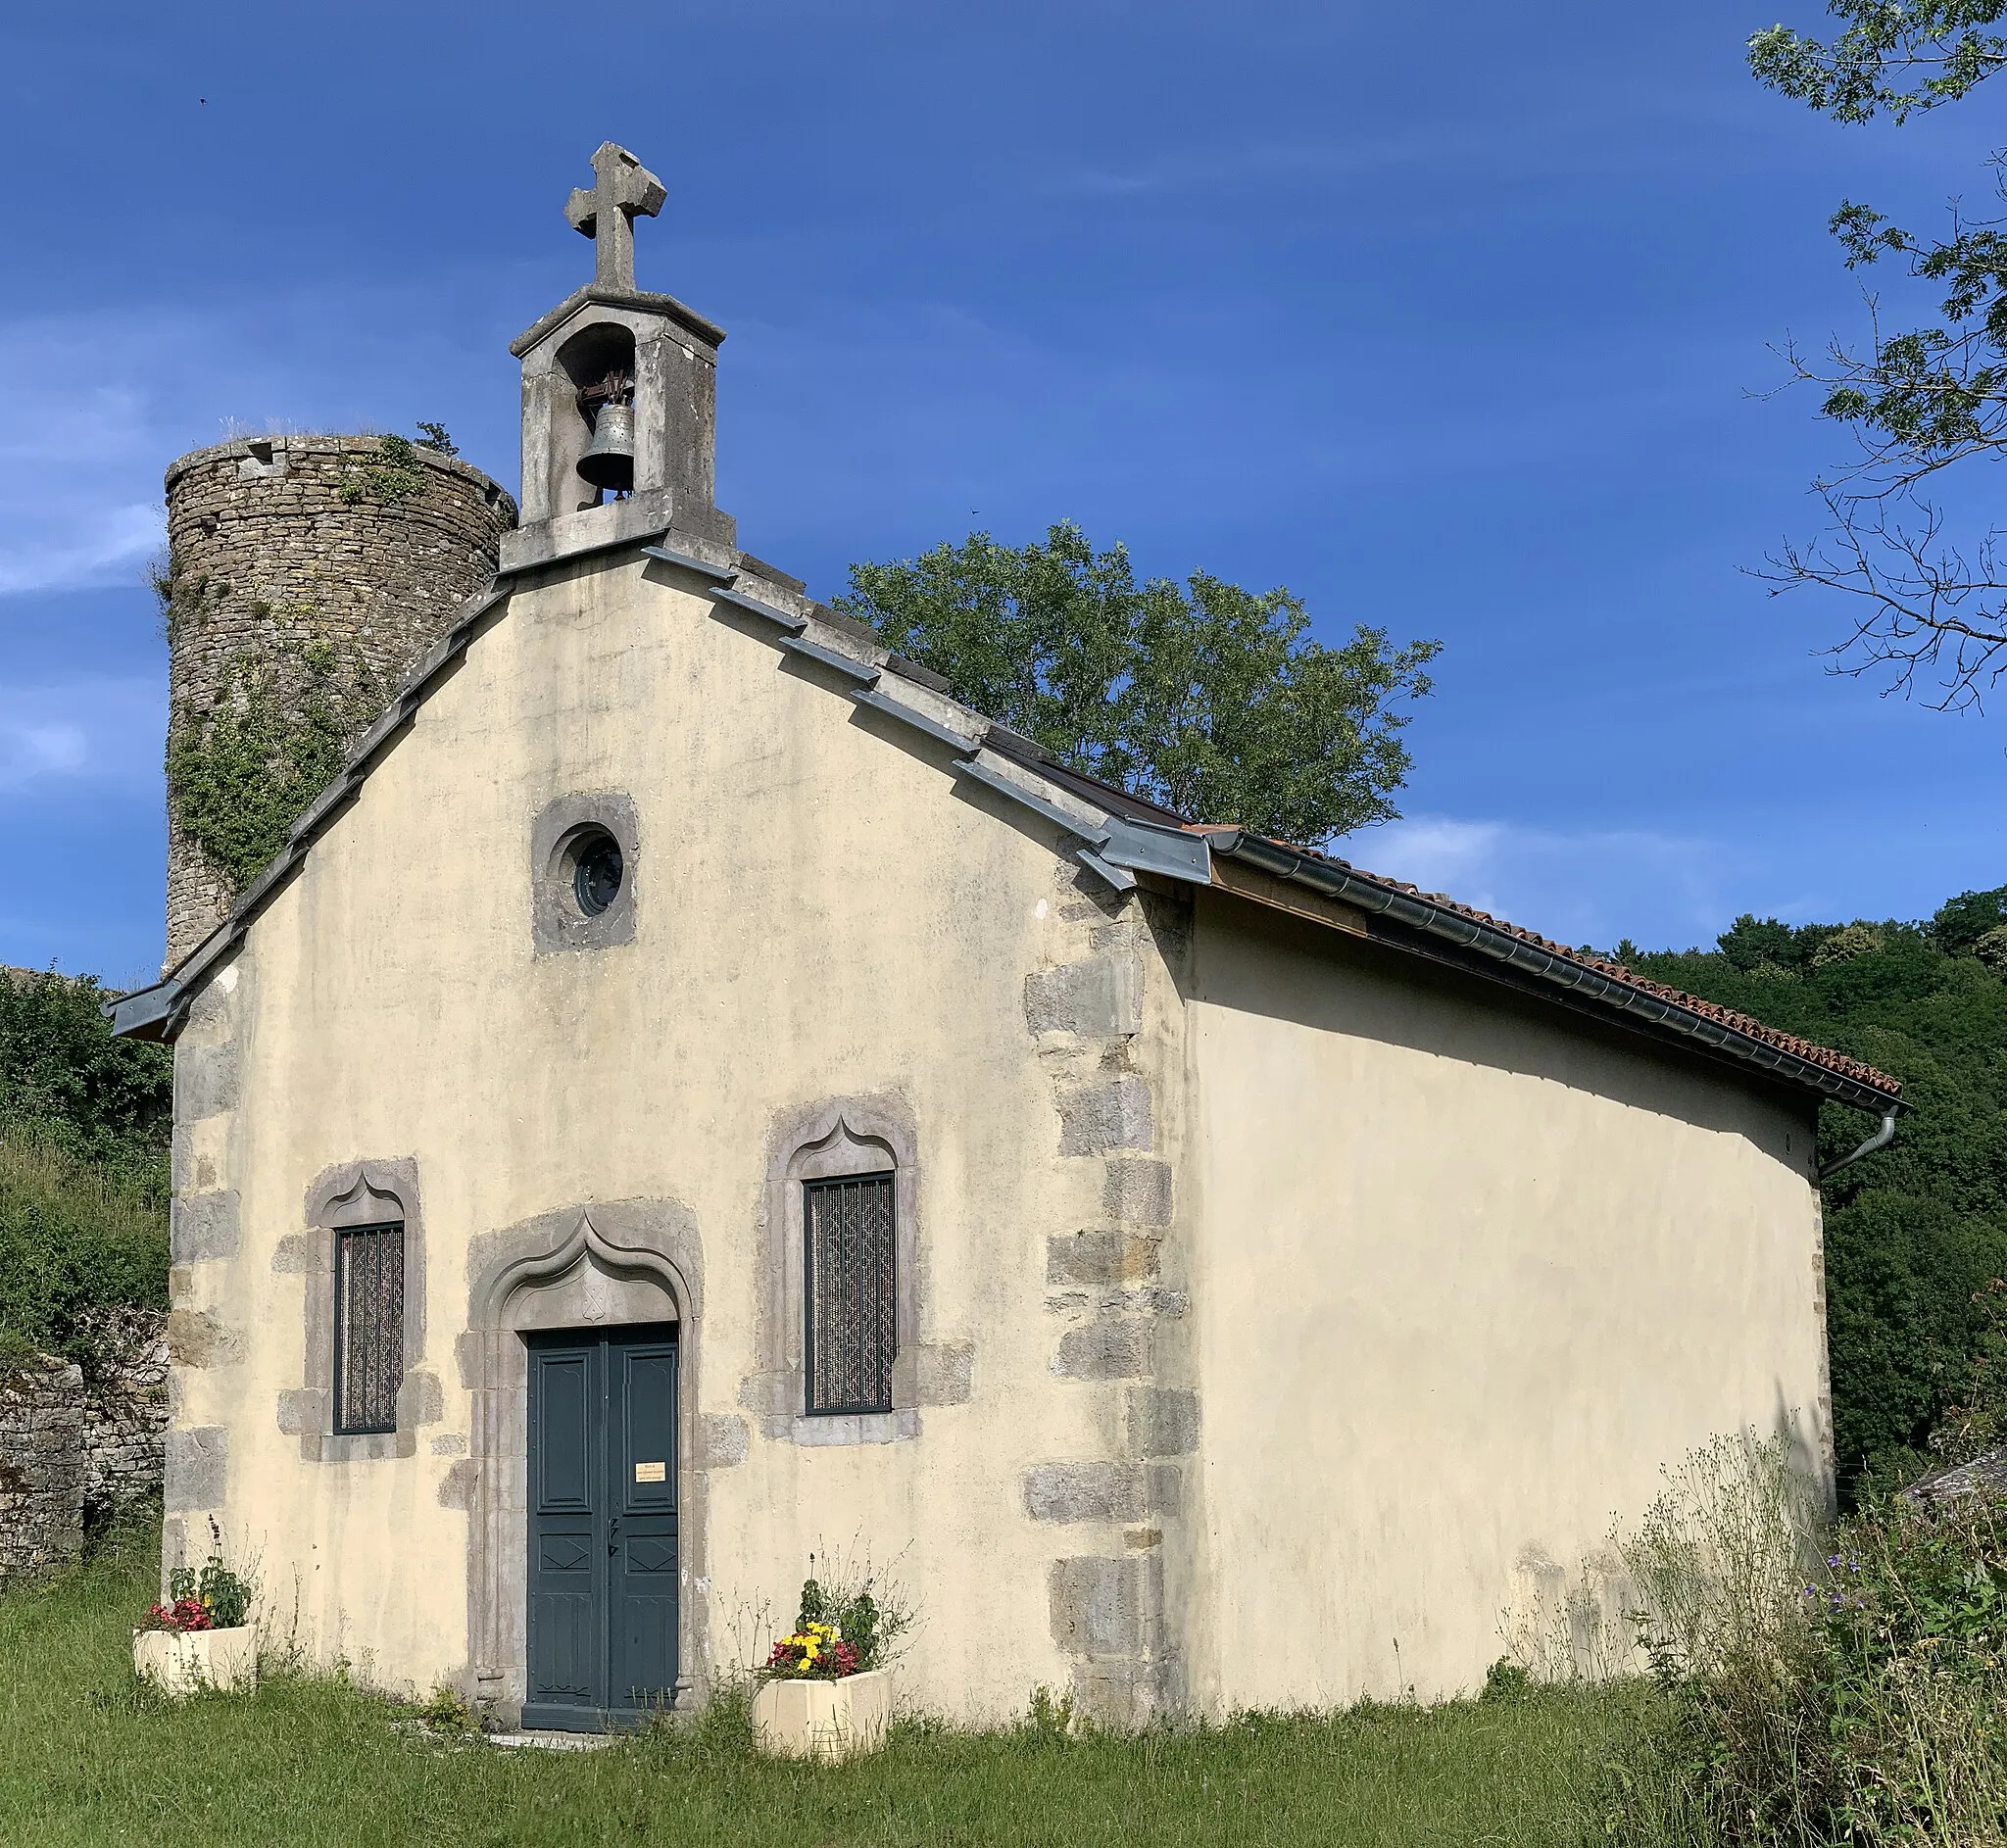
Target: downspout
{"points": [[1881, 1138]]}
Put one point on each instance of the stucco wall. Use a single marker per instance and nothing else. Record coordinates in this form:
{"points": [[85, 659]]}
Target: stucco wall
{"points": [[820, 912], [1466, 1276]]}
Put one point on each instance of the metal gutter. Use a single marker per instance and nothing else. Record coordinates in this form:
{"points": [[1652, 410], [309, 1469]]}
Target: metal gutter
{"points": [[1633, 1005], [1881, 1138]]}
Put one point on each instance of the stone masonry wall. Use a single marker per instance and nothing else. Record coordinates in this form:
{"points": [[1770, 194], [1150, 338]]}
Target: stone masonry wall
{"points": [[124, 1390], [41, 1466], [77, 1441], [1117, 1294], [282, 545]]}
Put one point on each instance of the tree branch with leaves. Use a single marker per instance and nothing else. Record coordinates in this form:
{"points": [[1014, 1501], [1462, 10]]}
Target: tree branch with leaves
{"points": [[1208, 699], [1927, 607]]}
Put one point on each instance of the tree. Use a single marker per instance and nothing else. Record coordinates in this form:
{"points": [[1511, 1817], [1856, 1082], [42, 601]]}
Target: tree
{"points": [[1915, 1233], [1920, 400], [1204, 696]]}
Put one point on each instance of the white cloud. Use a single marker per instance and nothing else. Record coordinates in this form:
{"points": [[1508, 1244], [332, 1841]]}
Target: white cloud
{"points": [[80, 465], [1588, 887], [92, 730], [75, 546]]}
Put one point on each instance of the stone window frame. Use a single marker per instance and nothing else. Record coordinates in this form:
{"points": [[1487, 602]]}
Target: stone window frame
{"points": [[351, 1193], [849, 1136], [557, 922]]}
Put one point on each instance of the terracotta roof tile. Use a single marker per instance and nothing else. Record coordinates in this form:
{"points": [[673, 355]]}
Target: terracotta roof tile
{"points": [[1746, 1024]]}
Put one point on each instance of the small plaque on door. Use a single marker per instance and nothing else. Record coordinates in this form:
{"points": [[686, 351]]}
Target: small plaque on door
{"points": [[650, 1471]]}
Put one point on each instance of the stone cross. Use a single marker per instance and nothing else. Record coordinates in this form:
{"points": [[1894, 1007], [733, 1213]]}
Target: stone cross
{"points": [[622, 188]]}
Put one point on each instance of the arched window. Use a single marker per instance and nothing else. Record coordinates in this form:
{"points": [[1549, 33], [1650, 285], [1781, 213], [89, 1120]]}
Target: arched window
{"points": [[363, 1259], [850, 1277]]}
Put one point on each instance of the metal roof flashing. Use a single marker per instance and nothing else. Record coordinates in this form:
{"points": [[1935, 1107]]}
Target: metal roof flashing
{"points": [[1112, 835]]}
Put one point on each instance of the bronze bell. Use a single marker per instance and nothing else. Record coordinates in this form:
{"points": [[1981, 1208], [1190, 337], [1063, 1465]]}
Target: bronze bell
{"points": [[609, 462]]}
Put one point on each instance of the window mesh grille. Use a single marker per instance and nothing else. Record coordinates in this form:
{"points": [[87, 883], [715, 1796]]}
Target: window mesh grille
{"points": [[853, 1310], [368, 1326]]}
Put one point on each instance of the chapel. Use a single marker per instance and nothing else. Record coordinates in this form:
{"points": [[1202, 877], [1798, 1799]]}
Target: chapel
{"points": [[690, 1097]]}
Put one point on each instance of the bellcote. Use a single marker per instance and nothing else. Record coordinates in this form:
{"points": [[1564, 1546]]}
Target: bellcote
{"points": [[611, 372]]}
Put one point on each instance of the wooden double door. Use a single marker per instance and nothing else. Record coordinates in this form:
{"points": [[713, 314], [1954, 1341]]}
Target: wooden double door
{"points": [[603, 1542]]}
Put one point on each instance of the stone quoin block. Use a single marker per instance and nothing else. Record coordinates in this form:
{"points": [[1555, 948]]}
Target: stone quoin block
{"points": [[302, 1410], [1086, 1491], [1099, 1257], [459, 1485], [1097, 997], [1139, 1191], [421, 1399], [1100, 1607], [205, 1081], [197, 1468], [1099, 1117], [1105, 1350], [200, 1338], [726, 1438], [1163, 1422], [934, 1372], [204, 1228]]}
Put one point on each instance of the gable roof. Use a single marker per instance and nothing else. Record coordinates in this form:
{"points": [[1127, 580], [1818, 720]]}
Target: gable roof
{"points": [[1120, 835]]}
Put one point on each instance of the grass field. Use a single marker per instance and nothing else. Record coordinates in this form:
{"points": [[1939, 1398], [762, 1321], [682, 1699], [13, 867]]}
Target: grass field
{"points": [[88, 1757]]}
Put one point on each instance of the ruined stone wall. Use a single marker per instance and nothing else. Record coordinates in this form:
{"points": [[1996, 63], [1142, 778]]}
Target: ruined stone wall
{"points": [[78, 1440], [125, 1397], [313, 568], [41, 1466]]}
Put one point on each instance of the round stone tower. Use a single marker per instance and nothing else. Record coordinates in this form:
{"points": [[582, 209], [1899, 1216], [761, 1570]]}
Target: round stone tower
{"points": [[306, 576]]}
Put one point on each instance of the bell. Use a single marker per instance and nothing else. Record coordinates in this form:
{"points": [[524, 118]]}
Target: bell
{"points": [[609, 462]]}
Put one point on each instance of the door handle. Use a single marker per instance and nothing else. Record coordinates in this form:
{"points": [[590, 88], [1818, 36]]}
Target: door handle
{"points": [[613, 1535]]}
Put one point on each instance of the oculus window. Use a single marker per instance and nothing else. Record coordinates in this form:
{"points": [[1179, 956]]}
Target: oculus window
{"points": [[597, 869]]}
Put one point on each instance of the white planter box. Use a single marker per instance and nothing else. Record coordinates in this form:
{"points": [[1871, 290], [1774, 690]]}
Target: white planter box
{"points": [[826, 1720], [181, 1661]]}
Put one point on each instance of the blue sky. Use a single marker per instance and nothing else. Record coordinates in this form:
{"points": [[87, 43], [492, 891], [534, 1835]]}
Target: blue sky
{"points": [[1450, 322]]}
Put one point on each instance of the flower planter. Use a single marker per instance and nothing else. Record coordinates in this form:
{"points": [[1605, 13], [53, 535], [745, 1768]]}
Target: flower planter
{"points": [[826, 1720], [179, 1661]]}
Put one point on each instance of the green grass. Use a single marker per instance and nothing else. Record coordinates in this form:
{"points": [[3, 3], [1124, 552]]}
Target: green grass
{"points": [[88, 1757]]}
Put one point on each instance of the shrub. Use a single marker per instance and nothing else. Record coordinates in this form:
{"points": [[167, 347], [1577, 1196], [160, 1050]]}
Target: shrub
{"points": [[102, 1099], [1720, 1563], [72, 1236], [1857, 1696]]}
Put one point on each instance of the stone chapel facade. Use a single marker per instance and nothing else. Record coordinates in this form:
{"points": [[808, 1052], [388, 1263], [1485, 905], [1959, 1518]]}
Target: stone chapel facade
{"points": [[692, 1095]]}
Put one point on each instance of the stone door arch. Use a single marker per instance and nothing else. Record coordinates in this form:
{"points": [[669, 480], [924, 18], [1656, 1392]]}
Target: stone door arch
{"points": [[605, 1264]]}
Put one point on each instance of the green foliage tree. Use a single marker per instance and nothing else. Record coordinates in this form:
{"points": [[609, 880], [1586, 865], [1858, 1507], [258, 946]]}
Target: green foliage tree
{"points": [[83, 1175], [1915, 1234], [74, 1236], [1961, 922], [1206, 698], [1919, 400], [104, 1099]]}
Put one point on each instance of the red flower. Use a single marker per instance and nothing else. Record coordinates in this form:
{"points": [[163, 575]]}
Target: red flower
{"points": [[183, 1615]]}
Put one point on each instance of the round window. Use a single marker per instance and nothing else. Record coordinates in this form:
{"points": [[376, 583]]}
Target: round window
{"points": [[596, 871]]}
